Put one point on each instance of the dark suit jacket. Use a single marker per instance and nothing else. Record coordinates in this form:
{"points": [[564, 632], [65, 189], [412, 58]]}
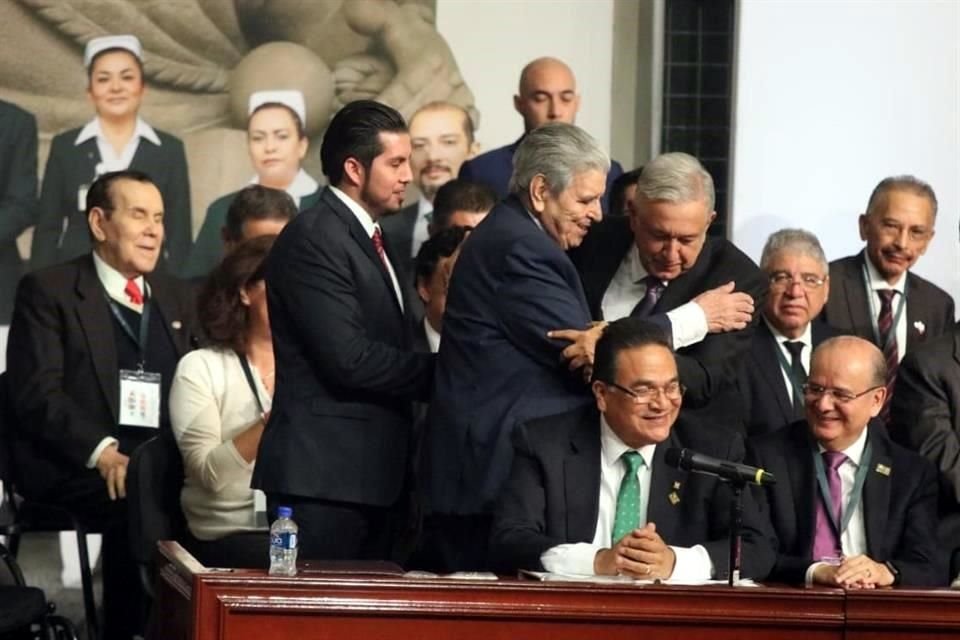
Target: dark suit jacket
{"points": [[553, 495], [512, 283], [69, 166], [848, 309], [765, 401], [63, 371], [495, 167], [18, 195], [341, 419], [708, 368], [899, 507], [925, 417]]}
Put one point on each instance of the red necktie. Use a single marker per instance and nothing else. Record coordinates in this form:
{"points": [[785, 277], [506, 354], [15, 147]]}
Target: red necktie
{"points": [[888, 343], [378, 245], [133, 292]]}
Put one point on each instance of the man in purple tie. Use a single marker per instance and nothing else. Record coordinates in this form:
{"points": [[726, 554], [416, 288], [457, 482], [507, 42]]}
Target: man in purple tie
{"points": [[850, 508]]}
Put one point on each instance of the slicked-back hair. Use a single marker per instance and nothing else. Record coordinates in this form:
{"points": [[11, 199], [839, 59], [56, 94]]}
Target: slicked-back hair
{"points": [[222, 314], [256, 202], [558, 152], [798, 241], [101, 192], [299, 124], [354, 132], [910, 184], [622, 335], [676, 177], [441, 245], [461, 195]]}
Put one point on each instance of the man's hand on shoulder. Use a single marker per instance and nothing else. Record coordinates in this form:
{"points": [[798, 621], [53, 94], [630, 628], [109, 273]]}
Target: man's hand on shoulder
{"points": [[579, 353], [725, 309], [112, 466]]}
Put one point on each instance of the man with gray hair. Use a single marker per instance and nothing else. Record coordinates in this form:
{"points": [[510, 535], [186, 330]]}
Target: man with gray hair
{"points": [[659, 263], [771, 375], [512, 283]]}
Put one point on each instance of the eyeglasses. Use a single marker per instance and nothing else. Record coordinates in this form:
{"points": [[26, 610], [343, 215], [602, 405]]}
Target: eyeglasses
{"points": [[784, 280], [645, 394], [815, 392]]}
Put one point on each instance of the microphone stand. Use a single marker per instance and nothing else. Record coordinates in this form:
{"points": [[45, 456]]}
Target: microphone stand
{"points": [[736, 522]]}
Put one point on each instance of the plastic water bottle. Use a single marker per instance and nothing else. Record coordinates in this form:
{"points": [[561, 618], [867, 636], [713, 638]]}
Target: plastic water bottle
{"points": [[283, 544]]}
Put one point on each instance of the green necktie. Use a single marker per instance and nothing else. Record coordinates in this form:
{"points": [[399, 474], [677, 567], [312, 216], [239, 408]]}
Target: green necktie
{"points": [[627, 517]]}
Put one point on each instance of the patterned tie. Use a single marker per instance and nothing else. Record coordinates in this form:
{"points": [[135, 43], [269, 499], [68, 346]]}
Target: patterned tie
{"points": [[797, 373], [649, 300], [378, 245], [826, 541], [888, 342], [627, 517], [133, 292]]}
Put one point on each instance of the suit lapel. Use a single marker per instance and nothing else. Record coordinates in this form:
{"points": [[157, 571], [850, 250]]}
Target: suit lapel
{"points": [[765, 353], [170, 317], [876, 493], [917, 307], [665, 481], [581, 478], [858, 306], [88, 157], [803, 483], [93, 316]]}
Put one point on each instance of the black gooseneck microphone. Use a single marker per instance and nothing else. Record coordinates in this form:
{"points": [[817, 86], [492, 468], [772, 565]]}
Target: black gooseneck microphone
{"points": [[689, 460]]}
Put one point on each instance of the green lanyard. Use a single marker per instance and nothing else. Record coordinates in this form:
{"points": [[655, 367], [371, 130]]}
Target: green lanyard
{"points": [[874, 313], [787, 369], [858, 481]]}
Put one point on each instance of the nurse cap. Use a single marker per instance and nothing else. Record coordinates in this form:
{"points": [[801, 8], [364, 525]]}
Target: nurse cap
{"points": [[101, 44], [289, 98]]}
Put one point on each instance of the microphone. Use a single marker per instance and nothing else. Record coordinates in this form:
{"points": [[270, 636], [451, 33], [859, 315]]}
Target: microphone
{"points": [[689, 460]]}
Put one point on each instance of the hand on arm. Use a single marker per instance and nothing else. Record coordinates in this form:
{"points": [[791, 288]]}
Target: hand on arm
{"points": [[725, 309], [641, 553], [112, 466], [579, 353]]}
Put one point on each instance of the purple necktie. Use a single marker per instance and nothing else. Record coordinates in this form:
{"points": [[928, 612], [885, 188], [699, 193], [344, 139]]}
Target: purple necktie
{"points": [[649, 300], [888, 342], [826, 540]]}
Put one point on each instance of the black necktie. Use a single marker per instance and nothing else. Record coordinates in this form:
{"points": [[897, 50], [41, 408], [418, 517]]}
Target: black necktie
{"points": [[649, 300], [798, 374]]}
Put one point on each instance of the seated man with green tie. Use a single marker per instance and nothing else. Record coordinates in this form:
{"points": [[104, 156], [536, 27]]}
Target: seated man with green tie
{"points": [[850, 508], [590, 491]]}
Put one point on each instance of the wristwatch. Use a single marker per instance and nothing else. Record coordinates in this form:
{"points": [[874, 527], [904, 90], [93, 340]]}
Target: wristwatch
{"points": [[894, 572]]}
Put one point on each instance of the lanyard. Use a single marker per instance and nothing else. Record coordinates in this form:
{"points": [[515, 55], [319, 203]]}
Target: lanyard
{"points": [[871, 294], [248, 374], [788, 369], [858, 481], [141, 340]]}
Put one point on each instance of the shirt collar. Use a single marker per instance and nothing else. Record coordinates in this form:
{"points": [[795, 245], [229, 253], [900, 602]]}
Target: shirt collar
{"points": [[114, 282], [424, 207], [637, 271], [361, 214], [612, 447], [303, 185], [433, 336], [877, 281], [806, 337], [855, 451], [93, 130]]}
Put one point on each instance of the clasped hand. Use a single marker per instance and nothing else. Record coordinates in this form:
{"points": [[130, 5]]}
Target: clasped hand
{"points": [[642, 553]]}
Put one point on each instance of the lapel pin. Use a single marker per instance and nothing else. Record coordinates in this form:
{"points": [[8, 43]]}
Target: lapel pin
{"points": [[177, 325], [673, 498], [883, 469], [920, 327], [676, 485]]}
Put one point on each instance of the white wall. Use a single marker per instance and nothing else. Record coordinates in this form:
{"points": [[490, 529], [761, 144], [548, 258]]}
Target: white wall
{"points": [[832, 97], [493, 39]]}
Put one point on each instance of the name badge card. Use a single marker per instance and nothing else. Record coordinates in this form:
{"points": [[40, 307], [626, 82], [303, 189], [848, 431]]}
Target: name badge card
{"points": [[139, 399]]}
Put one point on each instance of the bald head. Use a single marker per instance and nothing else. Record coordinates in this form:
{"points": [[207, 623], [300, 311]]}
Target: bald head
{"points": [[547, 93], [855, 353]]}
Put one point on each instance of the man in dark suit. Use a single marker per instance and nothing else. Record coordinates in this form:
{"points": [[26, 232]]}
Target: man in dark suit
{"points": [[591, 493], [850, 508], [659, 263], [771, 375], [875, 296], [925, 417], [93, 347], [547, 93], [513, 282], [336, 445], [18, 195]]}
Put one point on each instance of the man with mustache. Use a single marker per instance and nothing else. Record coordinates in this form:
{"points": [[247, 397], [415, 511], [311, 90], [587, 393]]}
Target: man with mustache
{"points": [[875, 296]]}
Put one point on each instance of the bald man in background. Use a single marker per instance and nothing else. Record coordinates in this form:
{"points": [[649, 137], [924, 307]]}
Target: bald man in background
{"points": [[547, 93]]}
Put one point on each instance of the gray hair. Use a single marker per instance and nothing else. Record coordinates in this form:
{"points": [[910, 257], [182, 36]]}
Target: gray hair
{"points": [[676, 177], [916, 186], [558, 152], [794, 241]]}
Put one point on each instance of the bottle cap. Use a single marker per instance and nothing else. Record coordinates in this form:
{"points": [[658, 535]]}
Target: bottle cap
{"points": [[284, 512]]}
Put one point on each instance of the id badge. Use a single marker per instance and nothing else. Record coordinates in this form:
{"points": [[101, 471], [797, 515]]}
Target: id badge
{"points": [[139, 399], [82, 197]]}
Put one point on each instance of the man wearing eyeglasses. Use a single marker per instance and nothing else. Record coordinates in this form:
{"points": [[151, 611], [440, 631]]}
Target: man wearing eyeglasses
{"points": [[850, 508], [875, 296], [770, 376], [590, 493]]}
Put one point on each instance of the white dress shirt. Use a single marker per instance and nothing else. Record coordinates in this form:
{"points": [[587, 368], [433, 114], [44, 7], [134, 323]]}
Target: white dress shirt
{"points": [[693, 563], [110, 160], [853, 539], [114, 284], [421, 227], [368, 226], [302, 186], [433, 336], [806, 338], [687, 322], [877, 283]]}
